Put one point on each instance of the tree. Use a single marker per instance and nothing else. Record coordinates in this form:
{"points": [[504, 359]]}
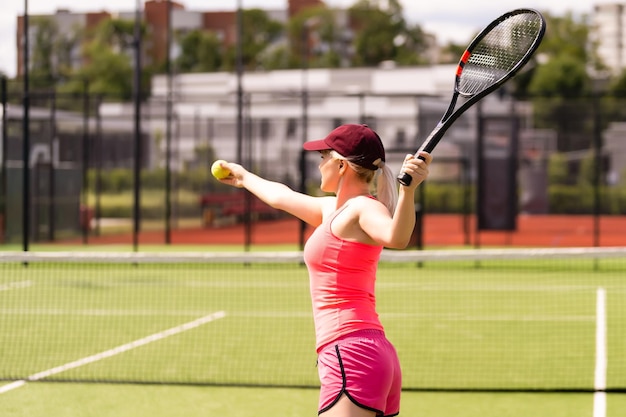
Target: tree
{"points": [[118, 34], [315, 39], [565, 46], [557, 88], [109, 56], [557, 169], [559, 79], [563, 76], [108, 73], [565, 35], [259, 31], [587, 170], [617, 86], [42, 71], [51, 56], [201, 51], [451, 53], [383, 34]]}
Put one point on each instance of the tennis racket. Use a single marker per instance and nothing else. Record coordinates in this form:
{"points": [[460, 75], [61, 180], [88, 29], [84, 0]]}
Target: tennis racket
{"points": [[494, 56]]}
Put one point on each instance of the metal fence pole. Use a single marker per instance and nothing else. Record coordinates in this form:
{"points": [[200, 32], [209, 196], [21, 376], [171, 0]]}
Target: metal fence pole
{"points": [[3, 162], [85, 217], [137, 147], [168, 128], [26, 210]]}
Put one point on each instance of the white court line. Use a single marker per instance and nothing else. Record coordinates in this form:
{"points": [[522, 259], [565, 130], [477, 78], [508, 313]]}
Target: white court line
{"points": [[117, 350], [297, 314], [98, 312], [15, 285], [11, 386], [599, 398]]}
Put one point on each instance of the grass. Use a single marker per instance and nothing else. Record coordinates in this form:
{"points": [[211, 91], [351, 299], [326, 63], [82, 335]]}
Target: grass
{"points": [[150, 199], [105, 400], [522, 326]]}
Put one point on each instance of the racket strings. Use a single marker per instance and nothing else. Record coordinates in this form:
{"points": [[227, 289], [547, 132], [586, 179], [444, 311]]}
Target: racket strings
{"points": [[499, 52]]}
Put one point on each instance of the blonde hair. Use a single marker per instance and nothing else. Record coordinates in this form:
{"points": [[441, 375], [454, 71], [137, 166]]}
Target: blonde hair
{"points": [[386, 190]]}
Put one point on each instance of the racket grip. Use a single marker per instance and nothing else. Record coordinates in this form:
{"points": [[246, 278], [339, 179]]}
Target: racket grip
{"points": [[404, 179]]}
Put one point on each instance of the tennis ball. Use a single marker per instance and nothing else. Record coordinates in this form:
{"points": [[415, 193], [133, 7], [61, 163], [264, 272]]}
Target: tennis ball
{"points": [[218, 171]]}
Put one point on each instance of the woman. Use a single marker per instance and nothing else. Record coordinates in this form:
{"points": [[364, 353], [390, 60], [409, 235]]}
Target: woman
{"points": [[358, 367]]}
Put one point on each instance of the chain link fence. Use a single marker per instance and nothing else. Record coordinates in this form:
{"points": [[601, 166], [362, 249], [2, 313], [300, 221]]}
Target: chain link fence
{"points": [[568, 157]]}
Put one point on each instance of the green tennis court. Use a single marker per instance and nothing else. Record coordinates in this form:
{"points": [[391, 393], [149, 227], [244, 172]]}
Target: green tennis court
{"points": [[486, 327]]}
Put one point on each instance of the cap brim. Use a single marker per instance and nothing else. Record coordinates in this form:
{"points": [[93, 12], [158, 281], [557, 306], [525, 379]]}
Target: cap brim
{"points": [[316, 145]]}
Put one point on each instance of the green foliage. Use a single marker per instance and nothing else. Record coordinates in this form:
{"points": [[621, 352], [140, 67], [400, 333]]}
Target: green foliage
{"points": [[109, 73], [562, 76], [117, 185], [118, 34], [112, 181], [109, 69], [122, 180], [564, 198], [152, 201], [200, 52], [277, 57], [566, 35], [446, 198], [306, 31], [557, 169], [557, 87], [586, 173], [116, 191], [617, 86], [564, 48], [51, 56], [451, 53], [383, 34], [259, 31], [43, 72], [572, 199]]}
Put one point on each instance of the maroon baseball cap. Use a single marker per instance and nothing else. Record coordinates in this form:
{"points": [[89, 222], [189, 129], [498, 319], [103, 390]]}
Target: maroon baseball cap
{"points": [[357, 143]]}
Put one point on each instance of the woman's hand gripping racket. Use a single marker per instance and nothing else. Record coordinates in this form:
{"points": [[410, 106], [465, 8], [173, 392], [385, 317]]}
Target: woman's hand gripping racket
{"points": [[494, 56]]}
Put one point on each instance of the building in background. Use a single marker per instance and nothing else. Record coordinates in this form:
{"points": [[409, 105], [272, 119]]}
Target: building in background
{"points": [[608, 33], [155, 16], [402, 104], [607, 20], [67, 23], [155, 12]]}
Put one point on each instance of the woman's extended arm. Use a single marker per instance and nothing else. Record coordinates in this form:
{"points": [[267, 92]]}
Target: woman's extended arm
{"points": [[277, 195]]}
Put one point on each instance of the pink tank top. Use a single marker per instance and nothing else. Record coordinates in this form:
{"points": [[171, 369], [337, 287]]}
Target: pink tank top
{"points": [[342, 278]]}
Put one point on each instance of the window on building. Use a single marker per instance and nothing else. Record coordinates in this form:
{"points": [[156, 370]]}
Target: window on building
{"points": [[337, 122], [292, 127], [400, 138], [370, 121], [264, 129]]}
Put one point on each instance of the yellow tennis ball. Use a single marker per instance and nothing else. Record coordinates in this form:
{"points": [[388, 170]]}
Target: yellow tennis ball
{"points": [[218, 171]]}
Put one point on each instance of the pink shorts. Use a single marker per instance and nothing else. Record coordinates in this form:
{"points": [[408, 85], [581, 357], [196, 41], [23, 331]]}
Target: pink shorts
{"points": [[364, 366]]}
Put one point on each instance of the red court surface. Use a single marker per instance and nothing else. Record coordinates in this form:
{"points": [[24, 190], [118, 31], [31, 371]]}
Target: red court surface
{"points": [[438, 231]]}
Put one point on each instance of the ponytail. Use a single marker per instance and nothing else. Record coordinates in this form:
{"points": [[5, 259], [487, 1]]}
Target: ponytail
{"points": [[386, 188]]}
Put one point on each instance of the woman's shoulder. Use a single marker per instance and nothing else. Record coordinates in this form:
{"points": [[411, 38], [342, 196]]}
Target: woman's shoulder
{"points": [[368, 204], [367, 201]]}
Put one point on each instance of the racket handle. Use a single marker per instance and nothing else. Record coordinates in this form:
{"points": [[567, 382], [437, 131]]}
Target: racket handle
{"points": [[404, 179]]}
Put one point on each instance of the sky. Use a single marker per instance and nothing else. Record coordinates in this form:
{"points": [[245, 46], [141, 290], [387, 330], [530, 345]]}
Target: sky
{"points": [[450, 20]]}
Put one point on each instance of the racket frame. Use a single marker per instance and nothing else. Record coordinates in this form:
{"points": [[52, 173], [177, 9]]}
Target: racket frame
{"points": [[451, 115]]}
